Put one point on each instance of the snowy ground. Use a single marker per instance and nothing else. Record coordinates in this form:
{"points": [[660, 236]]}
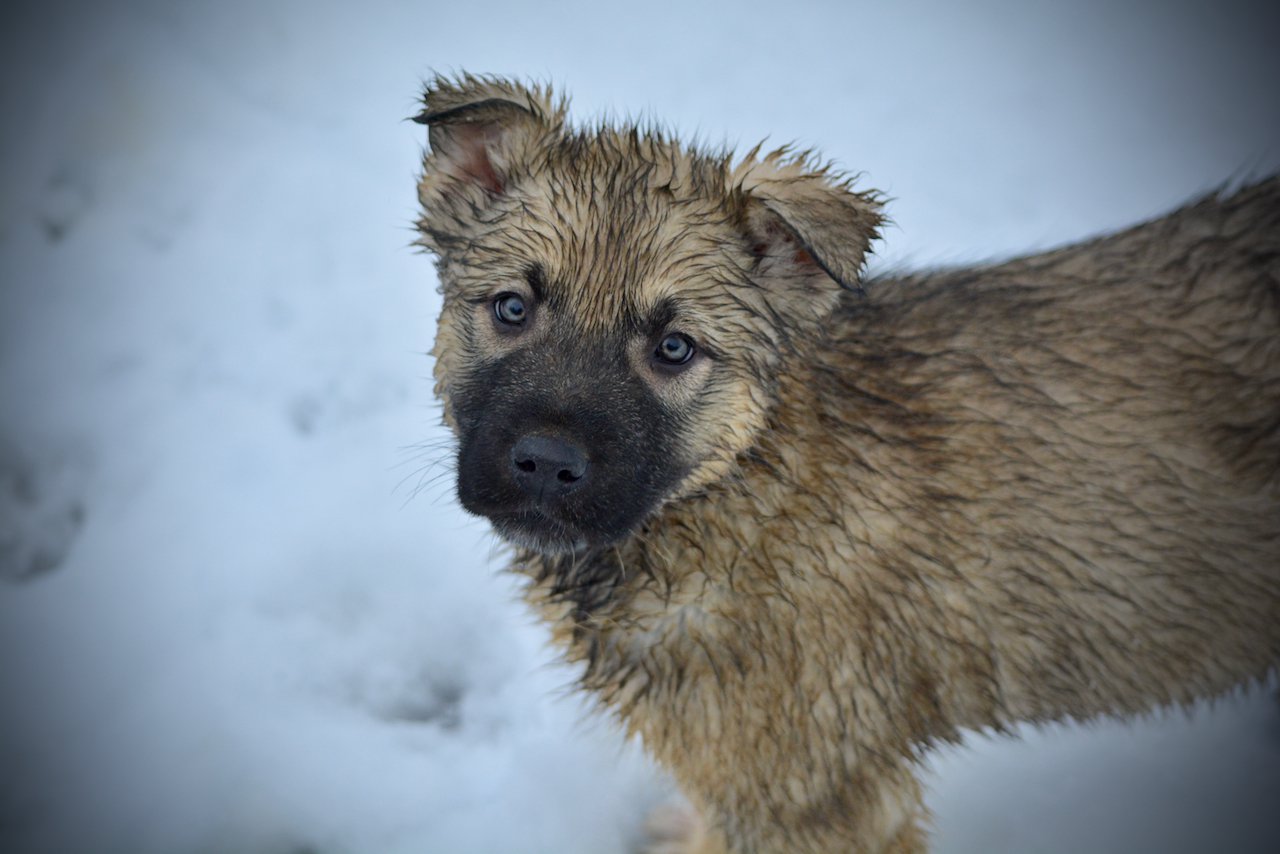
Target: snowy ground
{"points": [[237, 614]]}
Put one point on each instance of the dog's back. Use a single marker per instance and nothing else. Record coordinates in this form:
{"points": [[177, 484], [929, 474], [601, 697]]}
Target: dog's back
{"points": [[1088, 441]]}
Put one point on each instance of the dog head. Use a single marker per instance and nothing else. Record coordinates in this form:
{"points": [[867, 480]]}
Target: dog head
{"points": [[616, 305]]}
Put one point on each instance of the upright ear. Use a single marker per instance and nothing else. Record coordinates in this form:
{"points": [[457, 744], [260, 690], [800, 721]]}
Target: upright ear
{"points": [[481, 130], [806, 225]]}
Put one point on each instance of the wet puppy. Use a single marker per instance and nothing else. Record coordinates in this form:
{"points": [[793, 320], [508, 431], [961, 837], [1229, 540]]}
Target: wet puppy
{"points": [[798, 526]]}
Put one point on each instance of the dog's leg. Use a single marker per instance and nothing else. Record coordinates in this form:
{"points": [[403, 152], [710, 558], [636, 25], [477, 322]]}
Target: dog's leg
{"points": [[882, 813], [894, 821]]}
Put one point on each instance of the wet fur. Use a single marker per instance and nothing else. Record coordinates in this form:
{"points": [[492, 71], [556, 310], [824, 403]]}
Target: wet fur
{"points": [[884, 511]]}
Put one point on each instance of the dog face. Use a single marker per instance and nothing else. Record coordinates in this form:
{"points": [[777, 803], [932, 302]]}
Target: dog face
{"points": [[616, 306]]}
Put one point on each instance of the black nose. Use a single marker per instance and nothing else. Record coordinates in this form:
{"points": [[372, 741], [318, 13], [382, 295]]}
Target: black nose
{"points": [[546, 465]]}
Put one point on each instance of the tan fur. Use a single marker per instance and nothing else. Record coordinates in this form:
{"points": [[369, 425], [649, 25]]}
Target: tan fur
{"points": [[1038, 490]]}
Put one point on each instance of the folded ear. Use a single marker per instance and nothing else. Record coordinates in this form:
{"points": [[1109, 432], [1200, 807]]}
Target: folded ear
{"points": [[481, 131], [806, 225]]}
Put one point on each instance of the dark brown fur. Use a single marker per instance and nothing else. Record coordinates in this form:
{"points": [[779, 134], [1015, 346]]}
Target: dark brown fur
{"points": [[1043, 489]]}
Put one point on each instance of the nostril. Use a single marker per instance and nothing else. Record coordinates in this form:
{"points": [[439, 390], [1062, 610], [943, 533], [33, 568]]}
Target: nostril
{"points": [[541, 462]]}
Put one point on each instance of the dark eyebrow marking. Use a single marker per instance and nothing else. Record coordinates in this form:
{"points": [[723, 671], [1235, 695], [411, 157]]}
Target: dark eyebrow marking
{"points": [[662, 315], [537, 281]]}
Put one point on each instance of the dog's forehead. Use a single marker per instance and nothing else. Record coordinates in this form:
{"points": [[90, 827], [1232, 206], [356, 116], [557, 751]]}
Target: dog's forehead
{"points": [[625, 227]]}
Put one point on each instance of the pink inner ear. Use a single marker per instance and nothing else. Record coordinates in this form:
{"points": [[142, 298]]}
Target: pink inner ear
{"points": [[470, 156], [777, 241]]}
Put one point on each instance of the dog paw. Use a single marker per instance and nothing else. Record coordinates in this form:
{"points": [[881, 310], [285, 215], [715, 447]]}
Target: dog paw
{"points": [[677, 828]]}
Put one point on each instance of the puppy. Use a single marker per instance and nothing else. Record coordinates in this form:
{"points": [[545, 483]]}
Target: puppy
{"points": [[797, 526]]}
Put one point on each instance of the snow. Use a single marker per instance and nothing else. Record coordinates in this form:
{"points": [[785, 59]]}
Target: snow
{"points": [[239, 610]]}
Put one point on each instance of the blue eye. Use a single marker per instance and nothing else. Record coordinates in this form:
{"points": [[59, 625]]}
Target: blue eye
{"points": [[675, 349], [510, 309]]}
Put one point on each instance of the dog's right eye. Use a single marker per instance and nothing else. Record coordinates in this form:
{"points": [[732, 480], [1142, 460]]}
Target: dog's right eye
{"points": [[675, 350], [510, 309]]}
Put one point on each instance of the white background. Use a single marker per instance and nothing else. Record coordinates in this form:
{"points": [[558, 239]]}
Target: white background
{"points": [[267, 628]]}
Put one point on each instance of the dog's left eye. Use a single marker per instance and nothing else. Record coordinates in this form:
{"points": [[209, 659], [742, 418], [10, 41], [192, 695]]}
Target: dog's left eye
{"points": [[675, 349]]}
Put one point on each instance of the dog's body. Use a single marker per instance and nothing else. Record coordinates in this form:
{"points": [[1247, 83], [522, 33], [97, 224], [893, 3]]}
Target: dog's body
{"points": [[795, 533]]}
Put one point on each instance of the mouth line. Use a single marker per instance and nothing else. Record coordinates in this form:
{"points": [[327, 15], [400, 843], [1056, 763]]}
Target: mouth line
{"points": [[534, 529]]}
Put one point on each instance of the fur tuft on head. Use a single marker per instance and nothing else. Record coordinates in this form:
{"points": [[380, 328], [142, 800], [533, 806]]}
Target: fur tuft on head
{"points": [[802, 220]]}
